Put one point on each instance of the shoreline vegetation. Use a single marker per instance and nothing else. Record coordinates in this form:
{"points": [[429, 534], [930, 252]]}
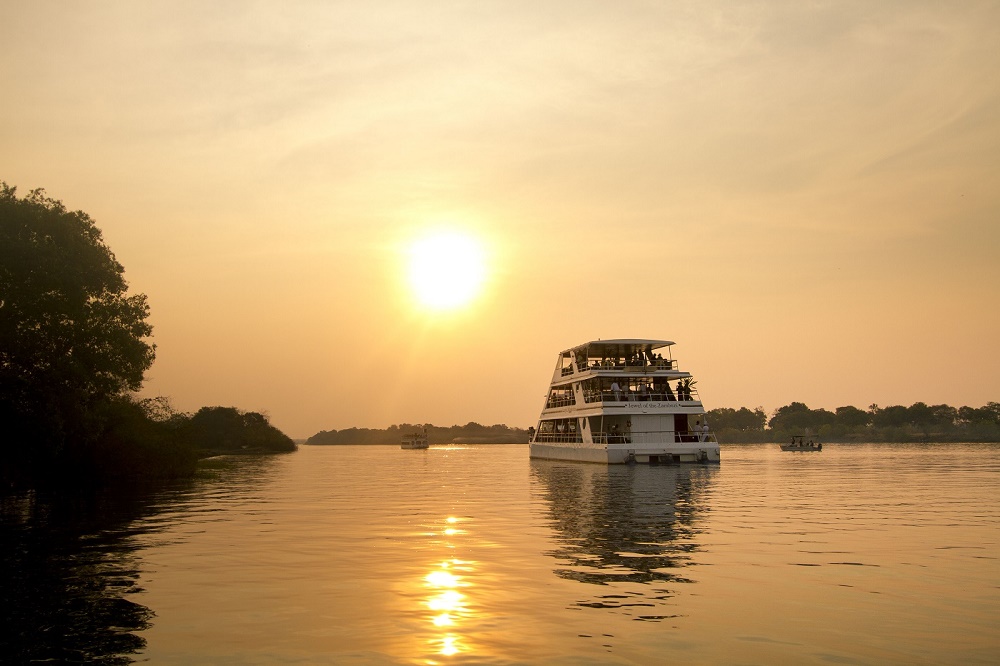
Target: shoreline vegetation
{"points": [[74, 348], [895, 424], [470, 433]]}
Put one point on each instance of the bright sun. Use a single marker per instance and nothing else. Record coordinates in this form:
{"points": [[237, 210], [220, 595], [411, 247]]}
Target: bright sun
{"points": [[446, 270]]}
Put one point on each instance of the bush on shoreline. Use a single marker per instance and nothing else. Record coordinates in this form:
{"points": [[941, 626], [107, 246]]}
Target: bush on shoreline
{"points": [[220, 430]]}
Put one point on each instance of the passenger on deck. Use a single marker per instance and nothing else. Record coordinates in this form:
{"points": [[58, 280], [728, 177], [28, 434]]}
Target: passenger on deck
{"points": [[617, 390]]}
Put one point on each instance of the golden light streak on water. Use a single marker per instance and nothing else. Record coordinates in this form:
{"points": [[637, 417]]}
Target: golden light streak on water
{"points": [[441, 579], [447, 602], [449, 645], [443, 620]]}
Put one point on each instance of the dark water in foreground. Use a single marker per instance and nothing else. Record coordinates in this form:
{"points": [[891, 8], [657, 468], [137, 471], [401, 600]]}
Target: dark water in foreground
{"points": [[860, 554]]}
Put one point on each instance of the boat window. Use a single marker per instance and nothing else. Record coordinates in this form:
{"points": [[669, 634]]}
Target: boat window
{"points": [[560, 397], [558, 430]]}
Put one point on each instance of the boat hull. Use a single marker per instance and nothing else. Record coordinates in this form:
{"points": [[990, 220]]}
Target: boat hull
{"points": [[700, 452]]}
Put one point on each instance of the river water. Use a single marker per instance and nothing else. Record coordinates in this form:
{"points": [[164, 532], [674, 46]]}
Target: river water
{"points": [[859, 554]]}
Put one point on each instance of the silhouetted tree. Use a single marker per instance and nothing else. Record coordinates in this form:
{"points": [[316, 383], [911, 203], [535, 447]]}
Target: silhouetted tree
{"points": [[71, 336], [227, 429], [919, 414], [990, 413], [852, 417], [742, 419], [797, 416], [944, 415], [894, 416]]}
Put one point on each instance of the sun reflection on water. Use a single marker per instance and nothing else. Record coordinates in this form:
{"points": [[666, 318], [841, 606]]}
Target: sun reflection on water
{"points": [[448, 646], [447, 600]]}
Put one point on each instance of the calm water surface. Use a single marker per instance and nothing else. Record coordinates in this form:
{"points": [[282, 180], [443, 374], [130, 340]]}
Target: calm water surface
{"points": [[859, 554]]}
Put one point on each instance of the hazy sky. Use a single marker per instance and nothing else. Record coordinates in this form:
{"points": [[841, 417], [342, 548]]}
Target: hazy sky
{"points": [[805, 196]]}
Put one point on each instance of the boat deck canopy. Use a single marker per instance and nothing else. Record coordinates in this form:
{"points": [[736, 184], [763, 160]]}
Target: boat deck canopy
{"points": [[622, 347]]}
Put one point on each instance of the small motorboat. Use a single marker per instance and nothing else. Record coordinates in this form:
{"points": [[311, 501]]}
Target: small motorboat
{"points": [[799, 443]]}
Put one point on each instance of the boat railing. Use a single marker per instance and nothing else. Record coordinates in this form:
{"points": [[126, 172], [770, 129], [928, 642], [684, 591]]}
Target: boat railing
{"points": [[611, 438], [570, 437], [608, 395], [652, 437], [561, 402], [660, 364]]}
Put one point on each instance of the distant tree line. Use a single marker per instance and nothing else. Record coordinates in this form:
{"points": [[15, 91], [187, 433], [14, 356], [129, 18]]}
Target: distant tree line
{"points": [[469, 433], [917, 423], [74, 346]]}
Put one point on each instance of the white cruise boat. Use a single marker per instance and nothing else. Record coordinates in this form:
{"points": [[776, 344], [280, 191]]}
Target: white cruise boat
{"points": [[622, 401], [415, 440]]}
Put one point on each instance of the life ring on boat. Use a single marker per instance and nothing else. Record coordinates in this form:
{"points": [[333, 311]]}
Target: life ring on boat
{"points": [[628, 424]]}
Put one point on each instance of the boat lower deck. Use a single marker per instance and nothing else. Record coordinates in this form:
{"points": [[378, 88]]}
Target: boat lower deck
{"points": [[667, 454]]}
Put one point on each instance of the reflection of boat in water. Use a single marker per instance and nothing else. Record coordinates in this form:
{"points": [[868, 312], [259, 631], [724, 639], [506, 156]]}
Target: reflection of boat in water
{"points": [[611, 401], [630, 531], [415, 440], [799, 443]]}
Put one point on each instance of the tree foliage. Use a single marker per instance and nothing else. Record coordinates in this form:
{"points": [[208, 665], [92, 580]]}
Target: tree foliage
{"points": [[740, 420], [852, 417], [229, 430], [71, 336], [799, 417], [67, 318]]}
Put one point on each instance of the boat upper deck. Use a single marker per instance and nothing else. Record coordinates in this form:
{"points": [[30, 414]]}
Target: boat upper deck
{"points": [[631, 356]]}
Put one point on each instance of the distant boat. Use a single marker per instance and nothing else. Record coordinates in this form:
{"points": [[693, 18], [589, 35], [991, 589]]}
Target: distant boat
{"points": [[415, 440], [611, 402], [799, 443]]}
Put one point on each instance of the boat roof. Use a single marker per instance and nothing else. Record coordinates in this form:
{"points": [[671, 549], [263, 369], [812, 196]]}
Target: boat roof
{"points": [[623, 345]]}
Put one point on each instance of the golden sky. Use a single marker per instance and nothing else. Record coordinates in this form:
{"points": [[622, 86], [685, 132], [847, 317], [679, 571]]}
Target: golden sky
{"points": [[804, 196]]}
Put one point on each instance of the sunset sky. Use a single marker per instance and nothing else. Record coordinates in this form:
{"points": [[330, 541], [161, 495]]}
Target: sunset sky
{"points": [[805, 197]]}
